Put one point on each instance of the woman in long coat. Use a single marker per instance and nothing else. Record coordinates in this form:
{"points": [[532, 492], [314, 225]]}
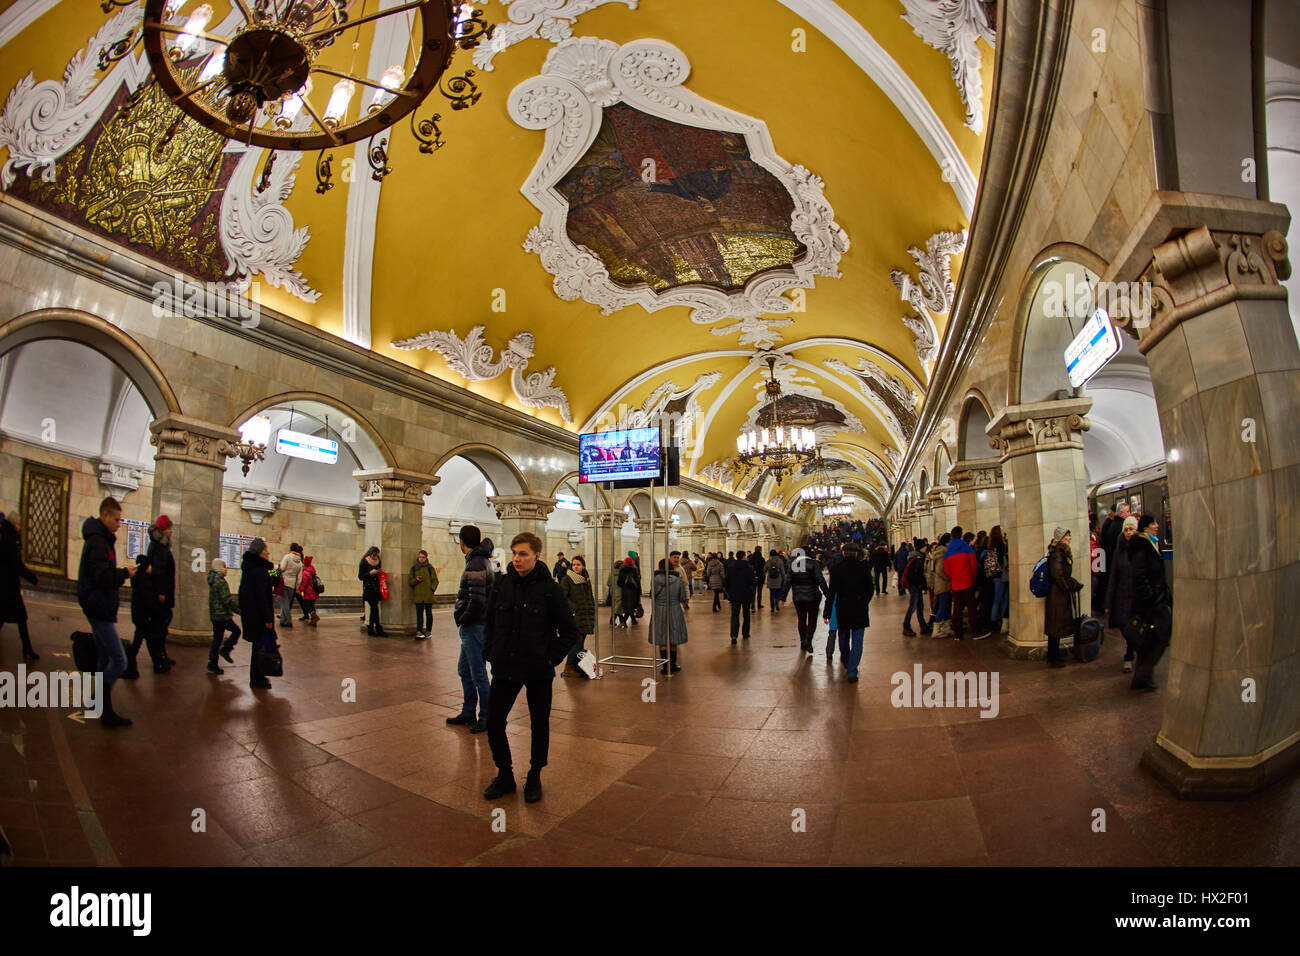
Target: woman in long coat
{"points": [[12, 608], [575, 585], [1152, 600], [667, 622], [1118, 600], [257, 605], [1058, 615], [629, 583]]}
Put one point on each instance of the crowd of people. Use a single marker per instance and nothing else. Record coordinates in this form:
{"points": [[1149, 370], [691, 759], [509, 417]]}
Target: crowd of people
{"points": [[530, 618]]}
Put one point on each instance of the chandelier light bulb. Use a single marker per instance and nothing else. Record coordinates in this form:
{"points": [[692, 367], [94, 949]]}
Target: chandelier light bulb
{"points": [[196, 24], [214, 66], [391, 81], [171, 8], [292, 106], [257, 430], [340, 98]]}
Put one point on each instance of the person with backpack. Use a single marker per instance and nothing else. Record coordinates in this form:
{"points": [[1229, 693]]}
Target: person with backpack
{"points": [[851, 590], [222, 608], [477, 584], [913, 578], [807, 587], [995, 566], [99, 581], [309, 590], [774, 572], [901, 557], [715, 572], [423, 582], [1153, 602], [528, 630], [1058, 613], [940, 587], [290, 574]]}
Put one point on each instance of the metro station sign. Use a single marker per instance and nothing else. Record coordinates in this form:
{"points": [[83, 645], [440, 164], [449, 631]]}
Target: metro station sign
{"points": [[310, 447], [1091, 349]]}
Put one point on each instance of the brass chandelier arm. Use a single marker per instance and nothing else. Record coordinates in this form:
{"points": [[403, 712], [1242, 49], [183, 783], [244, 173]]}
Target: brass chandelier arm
{"points": [[338, 140], [198, 89], [339, 28], [356, 79], [243, 8], [179, 31]]}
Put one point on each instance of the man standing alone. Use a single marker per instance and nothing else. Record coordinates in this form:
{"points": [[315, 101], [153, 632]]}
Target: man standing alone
{"points": [[529, 630]]}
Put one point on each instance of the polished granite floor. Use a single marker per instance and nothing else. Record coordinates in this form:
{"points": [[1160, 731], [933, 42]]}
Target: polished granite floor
{"points": [[714, 771]]}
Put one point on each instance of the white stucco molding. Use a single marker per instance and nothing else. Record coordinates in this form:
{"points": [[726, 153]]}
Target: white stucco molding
{"points": [[584, 75], [548, 19], [952, 27]]}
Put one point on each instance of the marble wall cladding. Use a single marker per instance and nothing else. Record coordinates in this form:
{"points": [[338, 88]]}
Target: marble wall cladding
{"points": [[1244, 621], [1194, 641], [1278, 393], [1231, 725], [1244, 526], [1216, 342], [1280, 702], [1183, 428], [1286, 488], [1195, 530], [1170, 364], [1235, 449], [1271, 337], [1186, 694]]}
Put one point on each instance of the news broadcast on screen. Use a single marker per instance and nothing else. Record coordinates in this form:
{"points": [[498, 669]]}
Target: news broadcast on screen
{"points": [[619, 455]]}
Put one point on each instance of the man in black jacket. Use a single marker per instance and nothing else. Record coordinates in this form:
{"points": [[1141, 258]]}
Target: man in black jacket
{"points": [[757, 562], [162, 575], [850, 592], [740, 583], [529, 630], [257, 606], [1152, 600], [98, 581], [12, 568], [472, 600]]}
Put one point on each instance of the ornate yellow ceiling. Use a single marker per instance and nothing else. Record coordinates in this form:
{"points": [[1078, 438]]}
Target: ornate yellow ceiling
{"points": [[849, 91]]}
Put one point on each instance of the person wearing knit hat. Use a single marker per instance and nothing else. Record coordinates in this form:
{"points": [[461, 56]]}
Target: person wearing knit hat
{"points": [[1118, 599], [1152, 600]]}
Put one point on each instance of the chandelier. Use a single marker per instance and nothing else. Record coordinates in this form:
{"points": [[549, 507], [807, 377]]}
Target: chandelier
{"points": [[834, 511], [254, 435], [287, 77], [822, 493], [781, 448]]}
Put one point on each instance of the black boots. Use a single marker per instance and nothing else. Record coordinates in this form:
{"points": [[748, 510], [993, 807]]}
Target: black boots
{"points": [[533, 787], [505, 783], [110, 718]]}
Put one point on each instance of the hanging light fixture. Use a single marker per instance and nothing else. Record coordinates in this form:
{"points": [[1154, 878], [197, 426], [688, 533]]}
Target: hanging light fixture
{"points": [[256, 83], [835, 511], [254, 434], [780, 448], [821, 491]]}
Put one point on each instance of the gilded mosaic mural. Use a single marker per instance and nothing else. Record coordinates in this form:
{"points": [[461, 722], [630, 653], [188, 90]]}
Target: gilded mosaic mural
{"points": [[147, 177], [672, 205]]}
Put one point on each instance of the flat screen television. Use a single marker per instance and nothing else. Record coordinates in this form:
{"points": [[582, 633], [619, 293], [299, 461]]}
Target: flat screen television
{"points": [[628, 455]]}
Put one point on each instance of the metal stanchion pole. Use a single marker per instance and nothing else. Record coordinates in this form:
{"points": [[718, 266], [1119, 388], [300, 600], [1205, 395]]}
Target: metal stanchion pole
{"points": [[667, 571]]}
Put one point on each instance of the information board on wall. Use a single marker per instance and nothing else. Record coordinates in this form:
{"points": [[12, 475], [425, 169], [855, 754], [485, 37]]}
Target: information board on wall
{"points": [[233, 547], [137, 538]]}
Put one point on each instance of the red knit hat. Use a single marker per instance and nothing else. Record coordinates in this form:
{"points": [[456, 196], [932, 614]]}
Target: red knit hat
{"points": [[163, 522]]}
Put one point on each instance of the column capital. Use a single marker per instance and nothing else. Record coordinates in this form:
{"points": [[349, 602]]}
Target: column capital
{"points": [[192, 440], [923, 507], [394, 484], [942, 495], [1197, 252], [975, 474], [1038, 426], [537, 507], [644, 524]]}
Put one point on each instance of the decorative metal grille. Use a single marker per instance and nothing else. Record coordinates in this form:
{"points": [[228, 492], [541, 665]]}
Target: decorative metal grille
{"points": [[44, 510]]}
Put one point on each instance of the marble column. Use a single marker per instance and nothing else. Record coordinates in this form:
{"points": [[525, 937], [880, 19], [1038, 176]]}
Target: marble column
{"points": [[690, 538], [394, 503], [188, 469], [519, 513], [943, 506], [1225, 367], [979, 493], [924, 520], [1042, 464]]}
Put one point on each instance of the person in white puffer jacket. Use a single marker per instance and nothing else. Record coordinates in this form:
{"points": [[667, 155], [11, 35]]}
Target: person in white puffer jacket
{"points": [[290, 575]]}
